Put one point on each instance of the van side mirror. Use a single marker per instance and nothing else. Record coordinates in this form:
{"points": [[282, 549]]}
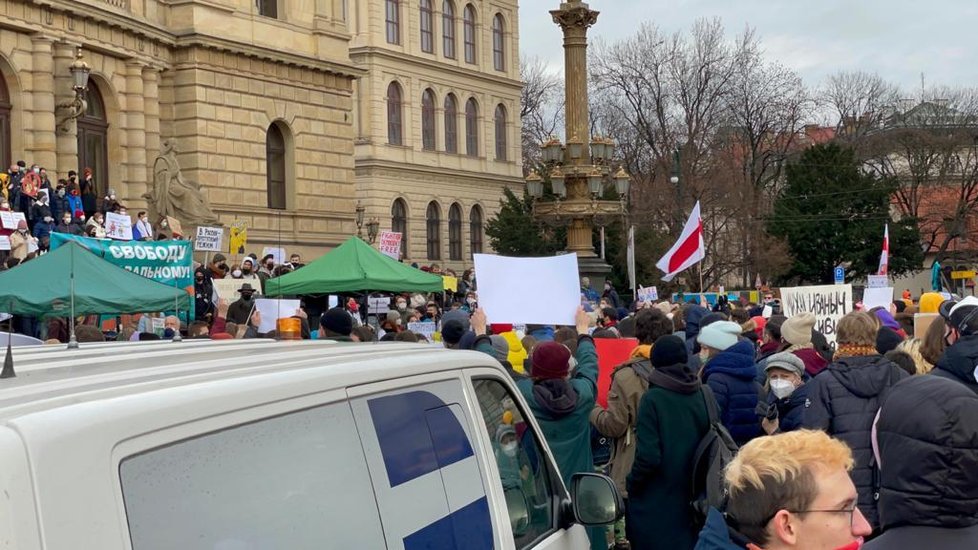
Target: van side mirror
{"points": [[519, 511], [595, 499]]}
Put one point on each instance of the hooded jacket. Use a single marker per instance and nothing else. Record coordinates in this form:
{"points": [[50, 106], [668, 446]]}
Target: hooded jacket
{"points": [[959, 361], [692, 315], [928, 445], [730, 375], [843, 401], [813, 360], [717, 535]]}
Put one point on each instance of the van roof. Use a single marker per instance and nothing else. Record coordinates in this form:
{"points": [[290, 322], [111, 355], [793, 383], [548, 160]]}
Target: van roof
{"points": [[51, 377]]}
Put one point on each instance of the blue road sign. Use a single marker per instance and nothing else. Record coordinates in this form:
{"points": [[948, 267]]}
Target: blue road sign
{"points": [[840, 275]]}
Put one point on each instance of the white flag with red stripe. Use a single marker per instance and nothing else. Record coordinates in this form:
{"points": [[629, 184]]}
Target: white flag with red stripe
{"points": [[688, 250], [885, 255]]}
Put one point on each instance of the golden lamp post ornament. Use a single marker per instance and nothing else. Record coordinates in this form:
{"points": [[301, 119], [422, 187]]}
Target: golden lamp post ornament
{"points": [[579, 171]]}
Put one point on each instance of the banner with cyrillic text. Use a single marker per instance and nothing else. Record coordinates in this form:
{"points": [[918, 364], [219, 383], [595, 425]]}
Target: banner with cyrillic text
{"points": [[167, 262], [829, 303]]}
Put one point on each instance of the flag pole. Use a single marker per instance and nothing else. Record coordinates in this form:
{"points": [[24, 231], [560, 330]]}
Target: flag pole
{"points": [[702, 290]]}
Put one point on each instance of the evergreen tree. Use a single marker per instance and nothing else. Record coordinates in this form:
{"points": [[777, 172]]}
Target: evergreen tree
{"points": [[831, 211], [514, 232]]}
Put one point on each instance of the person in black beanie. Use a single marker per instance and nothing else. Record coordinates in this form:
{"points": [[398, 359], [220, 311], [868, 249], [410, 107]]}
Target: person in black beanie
{"points": [[451, 333], [672, 419], [336, 324]]}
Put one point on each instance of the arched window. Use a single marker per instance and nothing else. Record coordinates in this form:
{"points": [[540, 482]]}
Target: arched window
{"points": [[498, 47], [468, 33], [427, 27], [393, 14], [471, 128], [93, 141], [5, 107], [433, 226], [455, 232], [448, 28], [399, 223], [475, 229], [500, 123], [428, 120], [451, 124], [275, 166], [394, 120]]}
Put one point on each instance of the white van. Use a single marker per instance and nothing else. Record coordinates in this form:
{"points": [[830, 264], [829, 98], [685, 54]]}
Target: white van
{"points": [[248, 445]]}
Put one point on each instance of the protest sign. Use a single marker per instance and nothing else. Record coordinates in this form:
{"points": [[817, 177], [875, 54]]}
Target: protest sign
{"points": [[31, 245], [228, 288], [9, 220], [278, 254], [881, 297], [649, 294], [378, 305], [450, 283], [158, 325], [237, 238], [828, 303], [273, 309], [426, 329], [209, 239], [611, 353], [4, 242], [390, 244], [167, 262], [118, 226], [876, 281], [502, 281]]}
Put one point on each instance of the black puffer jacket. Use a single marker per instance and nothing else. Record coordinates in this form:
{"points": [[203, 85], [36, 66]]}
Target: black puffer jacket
{"points": [[843, 401], [959, 361], [928, 446]]}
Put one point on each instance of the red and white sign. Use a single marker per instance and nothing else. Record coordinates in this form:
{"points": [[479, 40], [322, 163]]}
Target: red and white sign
{"points": [[885, 255], [688, 250], [390, 244]]}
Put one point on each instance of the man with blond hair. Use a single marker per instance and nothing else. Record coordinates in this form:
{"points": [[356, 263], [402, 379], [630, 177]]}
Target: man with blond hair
{"points": [[788, 491]]}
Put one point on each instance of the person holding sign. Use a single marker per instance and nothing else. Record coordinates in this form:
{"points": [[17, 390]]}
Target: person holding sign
{"points": [[19, 241], [844, 399]]}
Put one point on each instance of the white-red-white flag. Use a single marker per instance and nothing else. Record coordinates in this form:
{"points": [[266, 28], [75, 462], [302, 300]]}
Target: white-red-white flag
{"points": [[885, 255], [688, 250]]}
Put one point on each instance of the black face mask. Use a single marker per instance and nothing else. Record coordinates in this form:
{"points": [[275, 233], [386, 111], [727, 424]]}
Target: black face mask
{"points": [[222, 267], [246, 297]]}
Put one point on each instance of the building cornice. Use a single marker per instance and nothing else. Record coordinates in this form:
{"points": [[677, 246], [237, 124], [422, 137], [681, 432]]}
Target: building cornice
{"points": [[367, 166], [221, 44], [428, 64]]}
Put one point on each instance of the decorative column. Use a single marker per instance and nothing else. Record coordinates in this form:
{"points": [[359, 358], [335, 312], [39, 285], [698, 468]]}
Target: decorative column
{"points": [[574, 18], [67, 133], [42, 59], [151, 109], [135, 181]]}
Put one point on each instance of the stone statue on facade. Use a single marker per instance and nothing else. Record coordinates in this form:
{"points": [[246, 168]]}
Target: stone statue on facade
{"points": [[174, 197]]}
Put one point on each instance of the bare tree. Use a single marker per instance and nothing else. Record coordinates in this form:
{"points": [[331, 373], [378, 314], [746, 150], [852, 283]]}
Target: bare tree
{"points": [[541, 108], [858, 101]]}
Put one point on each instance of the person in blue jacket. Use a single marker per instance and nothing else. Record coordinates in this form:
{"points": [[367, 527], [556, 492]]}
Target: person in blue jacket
{"points": [[730, 371]]}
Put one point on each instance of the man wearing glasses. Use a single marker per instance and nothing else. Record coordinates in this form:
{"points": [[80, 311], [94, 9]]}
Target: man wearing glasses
{"points": [[788, 491]]}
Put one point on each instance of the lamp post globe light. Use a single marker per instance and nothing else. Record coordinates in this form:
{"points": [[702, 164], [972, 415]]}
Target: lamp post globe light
{"points": [[580, 171]]}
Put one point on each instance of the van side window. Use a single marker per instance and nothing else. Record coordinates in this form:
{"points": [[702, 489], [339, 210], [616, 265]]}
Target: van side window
{"points": [[298, 480], [526, 480]]}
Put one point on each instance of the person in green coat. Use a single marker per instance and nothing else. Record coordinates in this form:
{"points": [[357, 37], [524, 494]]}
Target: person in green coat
{"points": [[672, 419], [561, 398]]}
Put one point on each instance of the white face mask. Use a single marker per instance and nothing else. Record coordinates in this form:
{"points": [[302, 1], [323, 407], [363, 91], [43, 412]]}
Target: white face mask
{"points": [[509, 449], [781, 388], [401, 306], [704, 356]]}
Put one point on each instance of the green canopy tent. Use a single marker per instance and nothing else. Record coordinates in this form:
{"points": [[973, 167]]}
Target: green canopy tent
{"points": [[70, 281], [354, 266]]}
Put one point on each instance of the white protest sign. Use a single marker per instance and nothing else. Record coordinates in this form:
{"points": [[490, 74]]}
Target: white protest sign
{"points": [[377, 305], [503, 282], [649, 294], [278, 254], [118, 226], [271, 310], [9, 220], [32, 245], [209, 239], [390, 244], [426, 329], [876, 281], [228, 288], [158, 325], [829, 303], [877, 297], [4, 242]]}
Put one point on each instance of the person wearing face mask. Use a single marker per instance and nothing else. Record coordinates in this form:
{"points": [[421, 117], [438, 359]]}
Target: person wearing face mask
{"points": [[65, 225], [42, 231], [240, 310], [218, 268], [142, 230], [96, 226], [471, 302], [110, 202], [248, 271], [19, 241], [203, 293], [786, 380], [59, 203], [41, 209], [508, 457], [88, 193]]}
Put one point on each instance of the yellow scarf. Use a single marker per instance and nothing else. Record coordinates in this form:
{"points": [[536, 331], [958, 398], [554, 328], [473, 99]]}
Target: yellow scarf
{"points": [[642, 351]]}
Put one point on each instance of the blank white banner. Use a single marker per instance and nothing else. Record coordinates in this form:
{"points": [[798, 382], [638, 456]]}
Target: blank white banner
{"points": [[542, 291]]}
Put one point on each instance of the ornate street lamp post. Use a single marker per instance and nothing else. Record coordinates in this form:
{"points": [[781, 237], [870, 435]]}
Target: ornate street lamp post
{"points": [[579, 171]]}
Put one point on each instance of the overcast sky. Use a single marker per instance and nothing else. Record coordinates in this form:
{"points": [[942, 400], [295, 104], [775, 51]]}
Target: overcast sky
{"points": [[898, 39]]}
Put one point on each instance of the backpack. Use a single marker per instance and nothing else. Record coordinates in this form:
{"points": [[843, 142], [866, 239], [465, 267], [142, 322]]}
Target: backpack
{"points": [[715, 450]]}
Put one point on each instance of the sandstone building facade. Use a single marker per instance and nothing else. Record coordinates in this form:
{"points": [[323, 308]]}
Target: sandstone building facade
{"points": [[436, 120], [257, 97]]}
